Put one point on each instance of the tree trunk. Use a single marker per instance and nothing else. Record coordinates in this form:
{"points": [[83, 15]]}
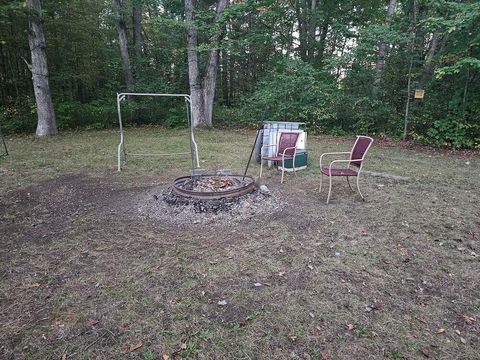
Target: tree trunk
{"points": [[322, 43], [429, 67], [137, 30], [382, 47], [193, 74], [301, 29], [202, 93], [210, 80], [46, 124], [122, 41], [312, 27]]}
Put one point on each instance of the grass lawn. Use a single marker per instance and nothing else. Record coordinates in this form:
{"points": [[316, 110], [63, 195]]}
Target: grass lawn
{"points": [[83, 276]]}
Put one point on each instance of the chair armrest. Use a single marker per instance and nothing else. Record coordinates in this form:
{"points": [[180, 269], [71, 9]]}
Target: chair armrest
{"points": [[336, 153], [332, 153], [288, 148]]}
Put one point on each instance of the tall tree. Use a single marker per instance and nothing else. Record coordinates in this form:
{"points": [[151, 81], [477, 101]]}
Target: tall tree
{"points": [[312, 28], [202, 90], [46, 124], [137, 28], [382, 49], [429, 66], [122, 41]]}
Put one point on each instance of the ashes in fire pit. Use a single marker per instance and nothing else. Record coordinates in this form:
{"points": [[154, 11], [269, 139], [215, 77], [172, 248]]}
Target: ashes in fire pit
{"points": [[164, 204], [213, 206]]}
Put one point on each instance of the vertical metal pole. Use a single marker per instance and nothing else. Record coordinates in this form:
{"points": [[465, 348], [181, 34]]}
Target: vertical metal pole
{"points": [[121, 145], [251, 152], [189, 123], [407, 106]]}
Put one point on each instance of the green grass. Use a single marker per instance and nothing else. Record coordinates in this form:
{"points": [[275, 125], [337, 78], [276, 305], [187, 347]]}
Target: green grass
{"points": [[74, 249]]}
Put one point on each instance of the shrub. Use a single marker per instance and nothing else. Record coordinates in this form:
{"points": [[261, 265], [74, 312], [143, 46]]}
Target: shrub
{"points": [[451, 132], [293, 91]]}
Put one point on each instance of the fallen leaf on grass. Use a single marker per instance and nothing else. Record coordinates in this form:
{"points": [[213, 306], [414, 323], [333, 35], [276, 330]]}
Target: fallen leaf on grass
{"points": [[441, 331], [350, 327], [324, 355], [183, 346], [468, 319], [34, 285], [165, 357], [64, 357], [463, 340], [222, 302], [457, 332], [425, 352], [133, 347], [91, 322]]}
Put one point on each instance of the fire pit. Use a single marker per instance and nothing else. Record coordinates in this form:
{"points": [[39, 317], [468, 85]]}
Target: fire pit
{"points": [[213, 186]]}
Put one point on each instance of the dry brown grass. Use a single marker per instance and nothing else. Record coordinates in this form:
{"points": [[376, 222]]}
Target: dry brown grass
{"points": [[82, 275]]}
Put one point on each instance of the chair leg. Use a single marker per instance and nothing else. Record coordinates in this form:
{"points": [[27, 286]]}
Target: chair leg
{"points": [[283, 171], [350, 186], [329, 189], [321, 180], [358, 188], [261, 167]]}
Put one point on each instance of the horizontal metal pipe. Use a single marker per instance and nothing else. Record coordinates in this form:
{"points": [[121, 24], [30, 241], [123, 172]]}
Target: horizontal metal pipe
{"points": [[165, 154]]}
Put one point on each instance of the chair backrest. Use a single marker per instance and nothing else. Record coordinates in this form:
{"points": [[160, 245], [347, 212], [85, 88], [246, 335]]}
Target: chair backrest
{"points": [[287, 140], [359, 150]]}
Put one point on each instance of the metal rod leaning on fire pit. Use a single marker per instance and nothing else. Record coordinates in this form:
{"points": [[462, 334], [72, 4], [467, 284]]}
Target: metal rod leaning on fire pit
{"points": [[121, 146], [4, 143], [260, 127]]}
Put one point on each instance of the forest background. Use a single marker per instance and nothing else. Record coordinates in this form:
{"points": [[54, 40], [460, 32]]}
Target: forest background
{"points": [[343, 67]]}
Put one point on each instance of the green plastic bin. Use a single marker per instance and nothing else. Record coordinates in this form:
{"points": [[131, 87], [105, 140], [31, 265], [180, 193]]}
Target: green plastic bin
{"points": [[300, 161]]}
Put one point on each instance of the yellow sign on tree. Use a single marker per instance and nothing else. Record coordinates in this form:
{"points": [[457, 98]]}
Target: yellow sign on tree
{"points": [[419, 94]]}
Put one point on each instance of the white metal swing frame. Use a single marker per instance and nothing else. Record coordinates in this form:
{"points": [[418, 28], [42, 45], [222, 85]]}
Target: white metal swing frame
{"points": [[121, 146]]}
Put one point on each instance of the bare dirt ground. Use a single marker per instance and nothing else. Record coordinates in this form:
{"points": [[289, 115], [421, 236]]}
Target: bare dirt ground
{"points": [[84, 274]]}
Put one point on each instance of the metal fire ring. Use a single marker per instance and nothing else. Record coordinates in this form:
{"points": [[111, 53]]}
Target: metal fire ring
{"points": [[245, 189]]}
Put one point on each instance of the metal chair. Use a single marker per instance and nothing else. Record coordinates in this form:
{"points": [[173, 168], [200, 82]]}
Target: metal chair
{"points": [[354, 164], [286, 150]]}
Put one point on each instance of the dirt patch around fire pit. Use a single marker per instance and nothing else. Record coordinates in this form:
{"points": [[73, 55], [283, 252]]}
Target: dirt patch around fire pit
{"points": [[164, 204]]}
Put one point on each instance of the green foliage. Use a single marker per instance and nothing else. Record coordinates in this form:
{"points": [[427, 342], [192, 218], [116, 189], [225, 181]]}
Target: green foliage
{"points": [[365, 115], [271, 68], [18, 116], [451, 132], [294, 91], [458, 66], [94, 115]]}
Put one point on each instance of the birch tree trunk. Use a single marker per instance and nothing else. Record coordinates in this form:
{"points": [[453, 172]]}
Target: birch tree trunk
{"points": [[194, 80], [429, 66], [122, 41], [46, 124], [382, 48]]}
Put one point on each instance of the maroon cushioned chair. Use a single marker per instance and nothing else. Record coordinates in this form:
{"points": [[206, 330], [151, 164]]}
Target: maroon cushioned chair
{"points": [[285, 149], [353, 166]]}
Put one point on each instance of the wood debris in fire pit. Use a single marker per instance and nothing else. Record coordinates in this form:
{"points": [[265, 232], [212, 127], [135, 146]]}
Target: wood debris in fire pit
{"points": [[212, 184]]}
